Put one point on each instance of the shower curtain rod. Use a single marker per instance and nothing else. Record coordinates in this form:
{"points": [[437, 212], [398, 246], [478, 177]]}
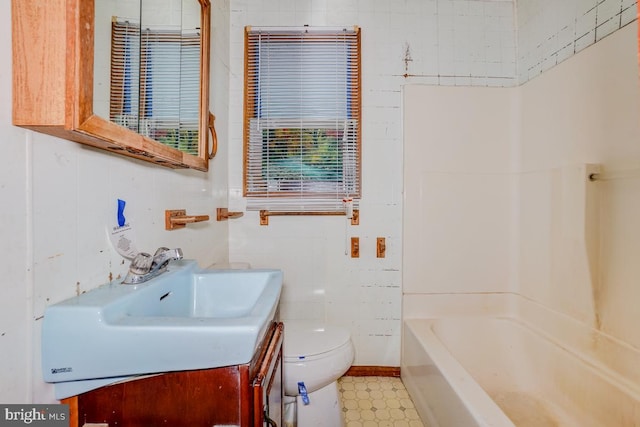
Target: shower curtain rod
{"points": [[609, 176]]}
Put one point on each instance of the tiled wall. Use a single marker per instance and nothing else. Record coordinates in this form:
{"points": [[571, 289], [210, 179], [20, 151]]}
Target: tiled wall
{"points": [[550, 31], [473, 41], [434, 42]]}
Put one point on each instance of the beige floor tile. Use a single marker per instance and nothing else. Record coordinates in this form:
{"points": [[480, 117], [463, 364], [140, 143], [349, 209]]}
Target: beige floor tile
{"points": [[377, 402]]}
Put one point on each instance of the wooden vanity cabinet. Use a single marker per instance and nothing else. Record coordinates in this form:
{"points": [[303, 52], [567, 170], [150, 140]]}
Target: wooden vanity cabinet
{"points": [[248, 395]]}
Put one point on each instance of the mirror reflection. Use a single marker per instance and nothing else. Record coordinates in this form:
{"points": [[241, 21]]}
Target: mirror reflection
{"points": [[147, 68]]}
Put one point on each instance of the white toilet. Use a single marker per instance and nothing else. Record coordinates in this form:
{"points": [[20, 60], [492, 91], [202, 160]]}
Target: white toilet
{"points": [[315, 355]]}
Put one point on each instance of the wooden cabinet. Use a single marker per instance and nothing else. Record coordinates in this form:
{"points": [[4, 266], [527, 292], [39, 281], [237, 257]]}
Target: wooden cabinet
{"points": [[53, 83], [268, 386], [248, 395]]}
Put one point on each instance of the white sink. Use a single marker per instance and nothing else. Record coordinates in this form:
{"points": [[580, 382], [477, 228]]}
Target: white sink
{"points": [[184, 319]]}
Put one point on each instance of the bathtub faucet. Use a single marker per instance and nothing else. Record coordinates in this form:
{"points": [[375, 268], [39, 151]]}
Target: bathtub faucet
{"points": [[145, 267]]}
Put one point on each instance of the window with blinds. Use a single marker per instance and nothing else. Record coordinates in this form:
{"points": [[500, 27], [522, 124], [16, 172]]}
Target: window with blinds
{"points": [[302, 138], [155, 82]]}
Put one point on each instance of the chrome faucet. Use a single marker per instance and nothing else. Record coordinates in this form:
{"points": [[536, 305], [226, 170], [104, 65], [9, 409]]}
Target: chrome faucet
{"points": [[145, 267]]}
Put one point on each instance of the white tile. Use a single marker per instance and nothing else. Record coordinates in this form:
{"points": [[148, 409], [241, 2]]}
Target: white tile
{"points": [[628, 15], [549, 62], [607, 28], [586, 23], [607, 10], [566, 36], [565, 52], [585, 41]]}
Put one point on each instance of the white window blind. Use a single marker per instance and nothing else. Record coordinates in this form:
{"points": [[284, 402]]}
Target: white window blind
{"points": [[155, 82], [125, 73], [302, 118]]}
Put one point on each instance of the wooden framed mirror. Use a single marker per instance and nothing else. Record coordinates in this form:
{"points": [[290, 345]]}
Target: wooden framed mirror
{"points": [[54, 90]]}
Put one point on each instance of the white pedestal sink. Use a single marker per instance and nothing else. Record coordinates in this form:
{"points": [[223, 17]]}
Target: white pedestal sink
{"points": [[187, 318]]}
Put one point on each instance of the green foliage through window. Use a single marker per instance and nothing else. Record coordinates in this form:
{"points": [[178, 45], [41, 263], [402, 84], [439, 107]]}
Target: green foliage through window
{"points": [[302, 154]]}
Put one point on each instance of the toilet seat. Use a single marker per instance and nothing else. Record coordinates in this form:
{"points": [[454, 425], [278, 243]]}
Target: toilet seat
{"points": [[315, 356], [305, 341]]}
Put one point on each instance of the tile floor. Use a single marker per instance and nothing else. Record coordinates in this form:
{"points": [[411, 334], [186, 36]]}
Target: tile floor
{"points": [[377, 402]]}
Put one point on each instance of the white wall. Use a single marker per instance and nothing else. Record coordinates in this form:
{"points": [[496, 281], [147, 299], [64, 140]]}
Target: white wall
{"points": [[433, 42], [457, 189], [584, 111], [58, 198], [569, 244]]}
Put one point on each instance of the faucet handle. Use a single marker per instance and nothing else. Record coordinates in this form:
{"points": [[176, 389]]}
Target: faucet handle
{"points": [[168, 253], [160, 250], [144, 266], [141, 263]]}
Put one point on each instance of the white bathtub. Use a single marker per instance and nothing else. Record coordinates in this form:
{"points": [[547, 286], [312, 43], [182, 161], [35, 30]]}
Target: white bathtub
{"points": [[500, 372]]}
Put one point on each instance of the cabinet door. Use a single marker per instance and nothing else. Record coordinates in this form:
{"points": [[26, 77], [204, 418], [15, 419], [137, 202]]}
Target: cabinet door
{"points": [[56, 81], [268, 386], [200, 398]]}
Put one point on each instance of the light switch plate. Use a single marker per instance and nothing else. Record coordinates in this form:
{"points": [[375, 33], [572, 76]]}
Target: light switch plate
{"points": [[381, 247], [355, 247]]}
